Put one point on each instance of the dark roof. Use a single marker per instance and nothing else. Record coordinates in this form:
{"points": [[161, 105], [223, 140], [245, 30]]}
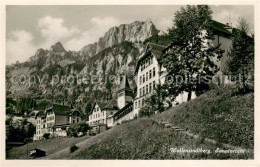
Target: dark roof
{"points": [[40, 114], [153, 49], [73, 110], [156, 49], [220, 28], [124, 84], [112, 104], [100, 104], [59, 109]]}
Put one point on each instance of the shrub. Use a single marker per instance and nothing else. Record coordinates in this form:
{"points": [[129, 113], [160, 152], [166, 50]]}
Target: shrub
{"points": [[73, 148], [76, 128], [46, 136]]}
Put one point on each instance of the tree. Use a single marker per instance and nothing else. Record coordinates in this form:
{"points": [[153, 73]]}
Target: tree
{"points": [[155, 102], [20, 130], [241, 57], [76, 128], [191, 53]]}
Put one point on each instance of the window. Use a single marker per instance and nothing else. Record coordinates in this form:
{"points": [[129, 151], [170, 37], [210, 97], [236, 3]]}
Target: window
{"points": [[147, 89], [147, 76], [140, 80], [139, 103], [140, 91], [154, 72], [143, 91], [150, 87], [142, 102], [77, 119], [153, 85], [143, 78], [136, 105], [150, 74]]}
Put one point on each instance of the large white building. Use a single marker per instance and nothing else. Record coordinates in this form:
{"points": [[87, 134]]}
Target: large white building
{"points": [[149, 73]]}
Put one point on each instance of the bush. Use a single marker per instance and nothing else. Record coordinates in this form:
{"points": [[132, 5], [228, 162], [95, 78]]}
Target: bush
{"points": [[76, 128], [46, 136], [19, 130], [73, 148]]}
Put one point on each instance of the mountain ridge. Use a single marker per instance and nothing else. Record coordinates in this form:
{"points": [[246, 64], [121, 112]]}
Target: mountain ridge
{"points": [[136, 31]]}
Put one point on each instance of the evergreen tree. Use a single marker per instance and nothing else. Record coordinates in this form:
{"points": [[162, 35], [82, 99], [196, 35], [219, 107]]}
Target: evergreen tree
{"points": [[241, 57], [191, 53]]}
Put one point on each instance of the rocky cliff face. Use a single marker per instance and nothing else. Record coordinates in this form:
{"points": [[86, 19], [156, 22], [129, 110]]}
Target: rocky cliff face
{"points": [[57, 48], [134, 32], [114, 53]]}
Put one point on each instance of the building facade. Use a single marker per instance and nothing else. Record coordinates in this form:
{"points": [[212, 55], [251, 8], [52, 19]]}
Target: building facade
{"points": [[101, 111], [55, 120], [149, 73]]}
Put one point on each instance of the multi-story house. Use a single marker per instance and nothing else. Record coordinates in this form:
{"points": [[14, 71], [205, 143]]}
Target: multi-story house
{"points": [[149, 72], [55, 120], [100, 112], [107, 113]]}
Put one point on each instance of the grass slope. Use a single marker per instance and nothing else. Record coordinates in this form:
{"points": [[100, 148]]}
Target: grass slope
{"points": [[50, 146], [218, 114]]}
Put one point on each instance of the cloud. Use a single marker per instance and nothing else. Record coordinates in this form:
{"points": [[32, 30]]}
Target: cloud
{"points": [[225, 16], [19, 46], [99, 27], [53, 30], [164, 24]]}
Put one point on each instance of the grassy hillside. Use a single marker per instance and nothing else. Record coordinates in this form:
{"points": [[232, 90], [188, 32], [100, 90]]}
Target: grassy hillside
{"points": [[50, 146], [221, 114], [218, 114]]}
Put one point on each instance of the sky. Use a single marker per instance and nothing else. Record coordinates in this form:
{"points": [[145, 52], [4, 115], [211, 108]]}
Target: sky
{"points": [[29, 28]]}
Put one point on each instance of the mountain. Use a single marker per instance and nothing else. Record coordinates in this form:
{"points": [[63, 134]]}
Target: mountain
{"points": [[57, 48], [114, 54], [134, 32]]}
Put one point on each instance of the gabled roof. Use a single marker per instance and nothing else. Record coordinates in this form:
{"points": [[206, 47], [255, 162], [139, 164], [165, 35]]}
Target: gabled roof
{"points": [[59, 109], [40, 114], [151, 48], [100, 104], [72, 111], [111, 104]]}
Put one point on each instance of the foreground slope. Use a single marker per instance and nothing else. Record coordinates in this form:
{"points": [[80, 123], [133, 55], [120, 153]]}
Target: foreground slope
{"points": [[221, 115]]}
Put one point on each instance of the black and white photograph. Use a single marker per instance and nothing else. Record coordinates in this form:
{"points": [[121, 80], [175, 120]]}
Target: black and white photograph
{"points": [[129, 82]]}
